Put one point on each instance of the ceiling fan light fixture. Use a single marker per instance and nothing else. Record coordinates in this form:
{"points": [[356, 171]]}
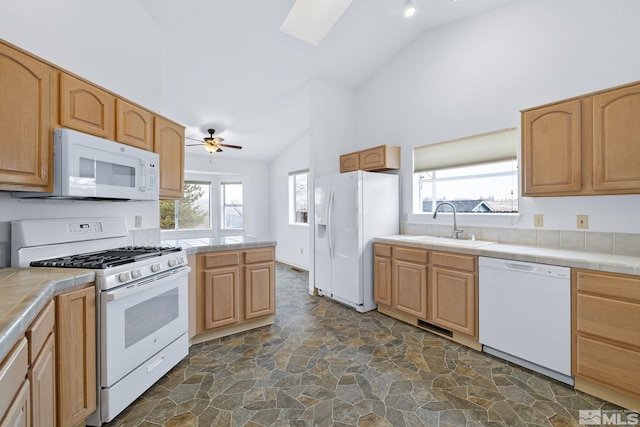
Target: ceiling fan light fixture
{"points": [[409, 9], [211, 148]]}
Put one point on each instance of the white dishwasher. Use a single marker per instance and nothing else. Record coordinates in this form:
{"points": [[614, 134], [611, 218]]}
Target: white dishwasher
{"points": [[525, 314]]}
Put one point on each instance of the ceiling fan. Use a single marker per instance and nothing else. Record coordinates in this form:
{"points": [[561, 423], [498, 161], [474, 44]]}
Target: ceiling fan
{"points": [[212, 143]]}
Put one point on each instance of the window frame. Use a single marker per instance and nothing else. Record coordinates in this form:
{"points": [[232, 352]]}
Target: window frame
{"points": [[176, 209], [469, 218], [223, 205], [293, 194]]}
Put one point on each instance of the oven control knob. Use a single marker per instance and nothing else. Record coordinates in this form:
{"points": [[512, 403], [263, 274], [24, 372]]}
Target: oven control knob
{"points": [[173, 262], [155, 268], [181, 260], [136, 273], [123, 277]]}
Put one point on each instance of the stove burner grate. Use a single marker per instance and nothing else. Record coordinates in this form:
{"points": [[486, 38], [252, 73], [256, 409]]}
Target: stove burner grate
{"points": [[106, 259]]}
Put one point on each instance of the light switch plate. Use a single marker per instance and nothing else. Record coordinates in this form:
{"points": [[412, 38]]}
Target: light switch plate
{"points": [[582, 222], [537, 220], [138, 221]]}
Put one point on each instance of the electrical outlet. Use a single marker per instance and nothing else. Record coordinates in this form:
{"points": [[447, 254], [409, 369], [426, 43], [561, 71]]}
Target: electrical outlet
{"points": [[583, 222], [301, 251], [537, 220], [138, 221]]}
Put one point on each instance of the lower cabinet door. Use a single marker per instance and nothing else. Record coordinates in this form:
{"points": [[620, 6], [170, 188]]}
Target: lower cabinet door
{"points": [[76, 355], [382, 273], [260, 290], [221, 297], [43, 385], [453, 300], [19, 413], [410, 288]]}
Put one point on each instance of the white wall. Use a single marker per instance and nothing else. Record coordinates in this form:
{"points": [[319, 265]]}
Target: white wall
{"points": [[256, 190], [332, 113], [293, 240], [475, 76], [112, 43]]}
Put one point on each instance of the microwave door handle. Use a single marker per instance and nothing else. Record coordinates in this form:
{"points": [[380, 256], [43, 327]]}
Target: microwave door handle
{"points": [[143, 176]]}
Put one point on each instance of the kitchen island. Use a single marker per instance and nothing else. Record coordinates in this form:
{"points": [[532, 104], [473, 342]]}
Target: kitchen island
{"points": [[231, 284]]}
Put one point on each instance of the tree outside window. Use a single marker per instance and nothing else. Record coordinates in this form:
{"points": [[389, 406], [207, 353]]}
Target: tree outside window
{"points": [[232, 214], [298, 195], [191, 212]]}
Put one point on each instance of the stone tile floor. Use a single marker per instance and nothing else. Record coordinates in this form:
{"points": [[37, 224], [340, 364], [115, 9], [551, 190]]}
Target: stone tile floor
{"points": [[323, 364]]}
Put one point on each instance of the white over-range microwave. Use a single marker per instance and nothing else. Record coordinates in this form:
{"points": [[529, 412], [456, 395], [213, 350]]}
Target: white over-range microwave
{"points": [[89, 167]]}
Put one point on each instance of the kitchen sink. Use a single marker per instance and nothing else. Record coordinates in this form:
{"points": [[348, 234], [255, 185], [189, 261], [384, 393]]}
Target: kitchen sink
{"points": [[449, 241]]}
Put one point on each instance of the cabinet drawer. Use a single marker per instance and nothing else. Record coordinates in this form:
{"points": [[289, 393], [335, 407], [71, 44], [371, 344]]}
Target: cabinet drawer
{"points": [[457, 261], [40, 330], [258, 255], [608, 318], [13, 371], [414, 255], [607, 284], [382, 250], [605, 363], [221, 259]]}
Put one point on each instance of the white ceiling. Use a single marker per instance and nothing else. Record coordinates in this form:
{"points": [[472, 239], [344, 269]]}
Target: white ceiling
{"points": [[227, 65]]}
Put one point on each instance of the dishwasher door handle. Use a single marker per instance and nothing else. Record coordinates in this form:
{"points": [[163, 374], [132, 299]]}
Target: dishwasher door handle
{"points": [[520, 267]]}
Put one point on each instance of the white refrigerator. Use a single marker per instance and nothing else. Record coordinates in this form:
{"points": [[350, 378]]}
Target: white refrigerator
{"points": [[350, 209]]}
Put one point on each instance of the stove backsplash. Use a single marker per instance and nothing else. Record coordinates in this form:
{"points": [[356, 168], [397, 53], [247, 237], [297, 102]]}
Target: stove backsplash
{"points": [[148, 234]]}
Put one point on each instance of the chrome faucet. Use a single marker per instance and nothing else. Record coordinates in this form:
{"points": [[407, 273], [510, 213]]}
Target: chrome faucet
{"points": [[456, 230]]}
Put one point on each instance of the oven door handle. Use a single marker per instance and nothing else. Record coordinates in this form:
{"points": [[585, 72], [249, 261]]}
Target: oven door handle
{"points": [[146, 284]]}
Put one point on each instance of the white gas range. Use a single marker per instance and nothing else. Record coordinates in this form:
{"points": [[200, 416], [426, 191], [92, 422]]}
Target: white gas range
{"points": [[141, 294]]}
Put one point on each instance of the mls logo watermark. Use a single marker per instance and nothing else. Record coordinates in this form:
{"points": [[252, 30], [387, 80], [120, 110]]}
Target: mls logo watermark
{"points": [[599, 417]]}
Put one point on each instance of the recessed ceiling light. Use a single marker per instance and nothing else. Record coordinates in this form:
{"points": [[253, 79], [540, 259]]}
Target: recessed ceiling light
{"points": [[409, 9]]}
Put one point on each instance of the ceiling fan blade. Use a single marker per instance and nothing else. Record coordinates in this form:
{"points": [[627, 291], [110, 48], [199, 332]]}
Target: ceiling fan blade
{"points": [[193, 139], [194, 145], [230, 146]]}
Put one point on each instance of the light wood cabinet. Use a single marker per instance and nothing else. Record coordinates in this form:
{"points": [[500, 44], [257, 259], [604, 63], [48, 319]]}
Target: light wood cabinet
{"points": [[26, 157], [410, 281], [381, 158], [454, 292], [259, 283], [588, 145], [76, 355], [382, 275], [15, 399], [233, 288], [616, 139], [606, 335], [42, 373], [349, 162], [86, 108], [168, 142], [134, 125], [551, 148], [19, 413]]}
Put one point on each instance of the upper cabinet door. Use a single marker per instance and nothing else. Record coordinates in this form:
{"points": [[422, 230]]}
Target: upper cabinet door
{"points": [[616, 139], [86, 108], [551, 149], [169, 144], [134, 125], [25, 140]]}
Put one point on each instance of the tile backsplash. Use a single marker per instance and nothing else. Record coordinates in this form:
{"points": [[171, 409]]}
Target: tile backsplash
{"points": [[613, 243]]}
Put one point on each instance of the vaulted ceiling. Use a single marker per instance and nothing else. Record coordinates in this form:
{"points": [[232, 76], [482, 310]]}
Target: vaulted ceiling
{"points": [[227, 65]]}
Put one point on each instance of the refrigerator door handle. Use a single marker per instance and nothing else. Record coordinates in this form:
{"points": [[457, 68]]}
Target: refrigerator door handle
{"points": [[330, 224]]}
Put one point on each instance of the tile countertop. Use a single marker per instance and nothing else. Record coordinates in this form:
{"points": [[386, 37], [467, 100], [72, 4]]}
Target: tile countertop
{"points": [[25, 291], [614, 263], [219, 243]]}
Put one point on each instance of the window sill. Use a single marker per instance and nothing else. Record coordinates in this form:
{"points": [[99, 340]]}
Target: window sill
{"points": [[469, 219], [299, 224]]}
